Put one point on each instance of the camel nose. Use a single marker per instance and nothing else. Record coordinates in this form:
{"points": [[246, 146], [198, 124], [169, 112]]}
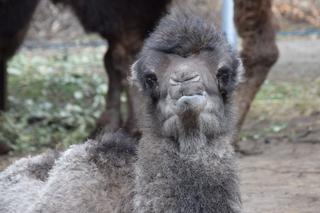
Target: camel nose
{"points": [[185, 84], [182, 78]]}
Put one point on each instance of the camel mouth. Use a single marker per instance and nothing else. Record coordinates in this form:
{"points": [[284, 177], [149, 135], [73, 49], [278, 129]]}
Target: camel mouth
{"points": [[192, 103]]}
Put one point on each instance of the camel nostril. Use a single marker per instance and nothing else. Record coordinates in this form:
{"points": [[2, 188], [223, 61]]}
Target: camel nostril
{"points": [[195, 78], [174, 82]]}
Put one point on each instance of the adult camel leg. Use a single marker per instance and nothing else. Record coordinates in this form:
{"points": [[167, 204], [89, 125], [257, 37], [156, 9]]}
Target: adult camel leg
{"points": [[253, 20], [3, 96], [132, 46], [3, 85], [7, 49], [120, 56], [15, 17], [133, 106], [111, 117]]}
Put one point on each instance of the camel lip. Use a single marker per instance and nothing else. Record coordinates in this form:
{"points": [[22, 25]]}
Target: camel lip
{"points": [[194, 103], [190, 97], [195, 96]]}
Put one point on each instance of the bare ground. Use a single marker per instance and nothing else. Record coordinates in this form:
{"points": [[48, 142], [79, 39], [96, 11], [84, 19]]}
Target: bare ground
{"points": [[285, 179], [283, 174]]}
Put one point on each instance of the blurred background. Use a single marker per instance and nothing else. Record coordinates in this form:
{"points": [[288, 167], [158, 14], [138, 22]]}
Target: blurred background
{"points": [[57, 87]]}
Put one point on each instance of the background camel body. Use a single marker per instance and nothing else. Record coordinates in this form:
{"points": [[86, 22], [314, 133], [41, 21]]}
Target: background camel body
{"points": [[125, 24], [184, 161], [14, 20]]}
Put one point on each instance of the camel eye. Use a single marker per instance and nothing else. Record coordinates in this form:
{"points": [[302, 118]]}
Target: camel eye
{"points": [[150, 80], [223, 75]]}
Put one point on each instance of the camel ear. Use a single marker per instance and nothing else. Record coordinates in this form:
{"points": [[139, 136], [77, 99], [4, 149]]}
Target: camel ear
{"points": [[145, 80], [134, 78], [229, 77], [240, 71]]}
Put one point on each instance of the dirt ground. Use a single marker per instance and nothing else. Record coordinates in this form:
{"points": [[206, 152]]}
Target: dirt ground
{"points": [[282, 172], [283, 176], [284, 179]]}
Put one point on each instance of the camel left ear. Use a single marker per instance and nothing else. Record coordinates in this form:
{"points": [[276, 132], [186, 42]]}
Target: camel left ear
{"points": [[240, 71], [229, 77]]}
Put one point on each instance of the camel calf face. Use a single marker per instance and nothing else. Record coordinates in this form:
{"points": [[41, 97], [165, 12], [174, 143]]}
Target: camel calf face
{"points": [[189, 75]]}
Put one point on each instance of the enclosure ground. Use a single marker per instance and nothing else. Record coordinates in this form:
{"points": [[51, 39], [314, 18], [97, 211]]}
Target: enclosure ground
{"points": [[283, 174], [285, 181]]}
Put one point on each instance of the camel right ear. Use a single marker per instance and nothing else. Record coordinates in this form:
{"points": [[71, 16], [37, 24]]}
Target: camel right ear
{"points": [[145, 80], [134, 78]]}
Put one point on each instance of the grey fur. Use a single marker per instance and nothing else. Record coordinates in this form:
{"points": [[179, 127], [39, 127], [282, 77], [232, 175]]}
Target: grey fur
{"points": [[184, 161], [91, 177], [21, 182]]}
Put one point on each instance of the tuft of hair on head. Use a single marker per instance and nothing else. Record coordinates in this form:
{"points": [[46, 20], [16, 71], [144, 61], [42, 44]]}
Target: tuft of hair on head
{"points": [[183, 31]]}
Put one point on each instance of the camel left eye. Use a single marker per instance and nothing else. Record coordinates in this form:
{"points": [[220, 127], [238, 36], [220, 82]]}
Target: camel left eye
{"points": [[224, 75]]}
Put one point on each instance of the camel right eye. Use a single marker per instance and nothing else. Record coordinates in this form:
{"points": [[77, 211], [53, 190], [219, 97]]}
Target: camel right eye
{"points": [[150, 80]]}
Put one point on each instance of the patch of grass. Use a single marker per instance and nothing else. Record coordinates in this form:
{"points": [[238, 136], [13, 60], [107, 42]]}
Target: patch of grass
{"points": [[54, 99], [285, 100], [277, 103], [262, 131]]}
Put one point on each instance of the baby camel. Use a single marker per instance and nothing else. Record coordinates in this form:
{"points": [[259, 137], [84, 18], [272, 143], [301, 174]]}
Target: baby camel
{"points": [[183, 163]]}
